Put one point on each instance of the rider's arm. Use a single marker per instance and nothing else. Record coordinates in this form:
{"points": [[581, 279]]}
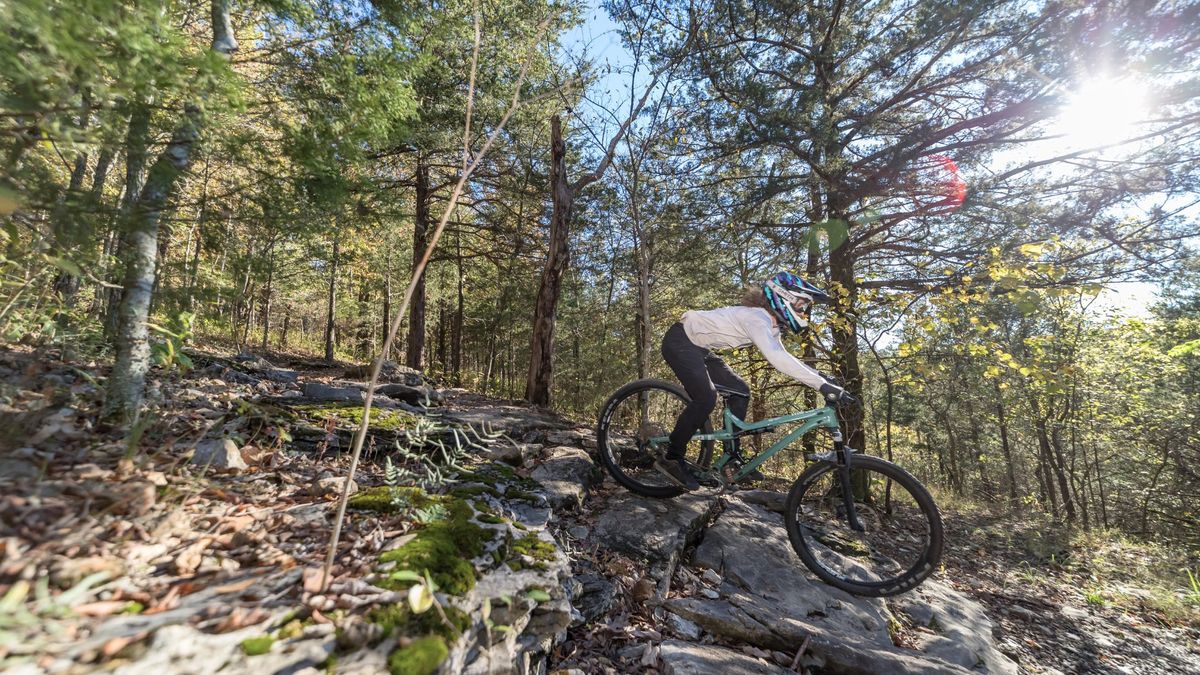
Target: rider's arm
{"points": [[768, 342]]}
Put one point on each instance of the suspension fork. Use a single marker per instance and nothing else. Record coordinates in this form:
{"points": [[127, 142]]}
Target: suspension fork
{"points": [[842, 455]]}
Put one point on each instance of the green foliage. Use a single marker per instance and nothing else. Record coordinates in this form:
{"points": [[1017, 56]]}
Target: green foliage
{"points": [[442, 548], [168, 352], [257, 646], [422, 656]]}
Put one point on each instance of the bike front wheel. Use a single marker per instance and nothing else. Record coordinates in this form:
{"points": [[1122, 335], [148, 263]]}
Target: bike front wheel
{"points": [[900, 544], [632, 433]]}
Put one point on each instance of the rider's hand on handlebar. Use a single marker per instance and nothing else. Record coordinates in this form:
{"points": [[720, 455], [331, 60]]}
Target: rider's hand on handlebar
{"points": [[835, 395]]}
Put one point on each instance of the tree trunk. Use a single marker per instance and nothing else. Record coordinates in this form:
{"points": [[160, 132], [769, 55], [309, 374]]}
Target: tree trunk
{"points": [[136, 140], [364, 318], [330, 303], [194, 269], [124, 397], [266, 299], [125, 384], [416, 310], [845, 339], [441, 336], [456, 350], [387, 301], [1044, 461], [1060, 472], [1005, 448], [541, 348], [65, 226]]}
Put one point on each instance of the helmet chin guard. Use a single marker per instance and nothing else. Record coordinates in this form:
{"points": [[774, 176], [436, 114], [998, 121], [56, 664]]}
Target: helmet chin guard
{"points": [[783, 291]]}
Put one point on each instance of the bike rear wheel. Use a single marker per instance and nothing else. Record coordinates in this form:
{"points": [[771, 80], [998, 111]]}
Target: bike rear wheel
{"points": [[632, 431], [901, 544]]}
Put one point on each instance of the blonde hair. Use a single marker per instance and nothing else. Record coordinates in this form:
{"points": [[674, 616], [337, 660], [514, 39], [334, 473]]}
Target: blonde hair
{"points": [[753, 296]]}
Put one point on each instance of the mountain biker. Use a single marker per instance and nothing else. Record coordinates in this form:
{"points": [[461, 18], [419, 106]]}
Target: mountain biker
{"points": [[687, 347]]}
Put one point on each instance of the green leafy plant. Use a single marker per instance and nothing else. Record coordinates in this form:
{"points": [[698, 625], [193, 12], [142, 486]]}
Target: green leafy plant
{"points": [[1193, 595], [168, 352]]}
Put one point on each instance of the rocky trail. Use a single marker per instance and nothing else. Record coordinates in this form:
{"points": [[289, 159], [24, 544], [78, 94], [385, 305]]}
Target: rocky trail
{"points": [[197, 547]]}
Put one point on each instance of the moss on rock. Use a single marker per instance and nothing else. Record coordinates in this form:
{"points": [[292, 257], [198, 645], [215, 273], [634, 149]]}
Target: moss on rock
{"points": [[474, 491], [400, 618], [443, 549], [387, 499], [257, 646], [352, 412], [422, 656], [533, 547]]}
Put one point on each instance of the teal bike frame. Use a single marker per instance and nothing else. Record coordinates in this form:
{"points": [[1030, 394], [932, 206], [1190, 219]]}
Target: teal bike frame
{"points": [[817, 418]]}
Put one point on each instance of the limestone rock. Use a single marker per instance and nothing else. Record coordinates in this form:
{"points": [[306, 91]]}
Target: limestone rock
{"points": [[683, 627], [768, 599], [566, 476], [596, 597], [575, 438], [768, 499], [684, 658], [423, 396], [651, 528], [515, 454], [184, 650], [220, 454], [332, 485], [963, 627], [390, 372], [325, 392]]}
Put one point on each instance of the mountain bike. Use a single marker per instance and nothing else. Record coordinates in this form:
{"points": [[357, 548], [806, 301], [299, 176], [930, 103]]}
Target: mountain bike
{"points": [[860, 523]]}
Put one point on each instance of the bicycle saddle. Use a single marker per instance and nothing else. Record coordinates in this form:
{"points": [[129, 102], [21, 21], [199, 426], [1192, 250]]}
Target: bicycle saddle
{"points": [[727, 392]]}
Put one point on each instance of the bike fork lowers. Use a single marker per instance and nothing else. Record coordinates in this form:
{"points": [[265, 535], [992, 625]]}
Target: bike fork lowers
{"points": [[842, 455]]}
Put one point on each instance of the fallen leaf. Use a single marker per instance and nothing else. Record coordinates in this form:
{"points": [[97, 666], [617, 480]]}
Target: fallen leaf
{"points": [[187, 561], [100, 608], [312, 579], [241, 617], [236, 587], [115, 645]]}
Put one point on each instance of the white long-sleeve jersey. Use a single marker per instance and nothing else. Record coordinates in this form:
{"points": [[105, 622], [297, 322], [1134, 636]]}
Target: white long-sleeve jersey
{"points": [[734, 327]]}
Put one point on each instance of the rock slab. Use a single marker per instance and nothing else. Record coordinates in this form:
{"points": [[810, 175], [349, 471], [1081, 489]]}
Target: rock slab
{"points": [[769, 599], [566, 475], [685, 658]]}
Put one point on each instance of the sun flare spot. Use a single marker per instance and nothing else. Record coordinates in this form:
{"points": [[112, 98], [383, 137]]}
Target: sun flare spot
{"points": [[1103, 111]]}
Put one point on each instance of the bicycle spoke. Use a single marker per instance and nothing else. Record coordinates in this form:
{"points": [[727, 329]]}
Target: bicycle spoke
{"points": [[637, 428], [896, 534]]}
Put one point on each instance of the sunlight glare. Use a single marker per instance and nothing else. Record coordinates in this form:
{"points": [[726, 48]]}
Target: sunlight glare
{"points": [[1102, 112]]}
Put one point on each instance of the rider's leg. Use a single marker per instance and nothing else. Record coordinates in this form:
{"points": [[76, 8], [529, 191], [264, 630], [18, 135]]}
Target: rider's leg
{"points": [[722, 374], [687, 362]]}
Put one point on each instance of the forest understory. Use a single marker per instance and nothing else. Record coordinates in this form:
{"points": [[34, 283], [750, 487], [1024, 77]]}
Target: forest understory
{"points": [[97, 525]]}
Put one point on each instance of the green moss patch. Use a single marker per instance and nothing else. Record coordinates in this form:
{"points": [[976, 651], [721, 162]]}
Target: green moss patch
{"points": [[533, 547], [352, 413], [400, 618], [257, 646], [443, 549], [474, 491], [386, 499], [422, 657], [499, 480]]}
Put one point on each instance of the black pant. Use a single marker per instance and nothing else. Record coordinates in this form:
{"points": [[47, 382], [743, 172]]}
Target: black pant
{"points": [[699, 370]]}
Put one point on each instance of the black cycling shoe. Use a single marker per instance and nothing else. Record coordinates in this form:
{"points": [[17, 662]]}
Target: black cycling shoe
{"points": [[677, 471]]}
